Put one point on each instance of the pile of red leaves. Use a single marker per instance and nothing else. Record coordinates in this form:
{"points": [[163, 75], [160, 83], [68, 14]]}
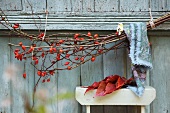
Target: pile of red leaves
{"points": [[110, 84]]}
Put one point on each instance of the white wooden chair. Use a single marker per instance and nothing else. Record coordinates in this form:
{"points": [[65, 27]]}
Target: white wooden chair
{"points": [[120, 97]]}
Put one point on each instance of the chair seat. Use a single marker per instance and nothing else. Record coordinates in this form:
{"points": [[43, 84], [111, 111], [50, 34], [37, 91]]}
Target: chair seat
{"points": [[119, 97]]}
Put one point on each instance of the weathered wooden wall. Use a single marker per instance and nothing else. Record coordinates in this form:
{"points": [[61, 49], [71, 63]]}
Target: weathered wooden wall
{"points": [[96, 16]]}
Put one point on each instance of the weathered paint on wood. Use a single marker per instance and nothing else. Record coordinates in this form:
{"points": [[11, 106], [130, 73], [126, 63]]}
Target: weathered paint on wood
{"points": [[67, 82], [10, 5], [34, 6], [134, 5], [88, 5], [157, 5], [5, 91], [19, 85], [106, 5], [160, 73], [77, 5], [59, 5], [91, 72]]}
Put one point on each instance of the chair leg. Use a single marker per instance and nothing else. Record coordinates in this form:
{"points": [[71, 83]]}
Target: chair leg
{"points": [[88, 109], [142, 109]]}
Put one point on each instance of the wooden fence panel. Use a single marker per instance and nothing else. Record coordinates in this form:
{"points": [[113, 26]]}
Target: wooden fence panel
{"points": [[160, 5], [113, 62], [160, 73], [91, 72], [67, 82], [5, 91], [34, 6], [106, 5], [88, 5], [59, 5], [19, 85], [134, 5], [10, 5]]}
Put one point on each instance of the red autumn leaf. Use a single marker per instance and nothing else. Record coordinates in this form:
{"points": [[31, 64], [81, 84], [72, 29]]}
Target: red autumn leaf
{"points": [[101, 89], [112, 78], [88, 89], [129, 80], [120, 82], [93, 86], [110, 87]]}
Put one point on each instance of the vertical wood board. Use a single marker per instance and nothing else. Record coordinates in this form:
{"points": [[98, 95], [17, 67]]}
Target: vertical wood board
{"points": [[5, 91], [88, 5], [11, 5], [106, 5], [160, 5], [160, 74], [34, 6], [59, 5], [134, 5]]}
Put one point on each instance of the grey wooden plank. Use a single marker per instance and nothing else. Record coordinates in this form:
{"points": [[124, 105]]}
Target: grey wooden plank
{"points": [[77, 5], [59, 5], [88, 5], [20, 85], [34, 6], [67, 82], [160, 73], [10, 5], [91, 72], [114, 63], [106, 5], [168, 4], [133, 109], [5, 83], [158, 5], [50, 89], [134, 5]]}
